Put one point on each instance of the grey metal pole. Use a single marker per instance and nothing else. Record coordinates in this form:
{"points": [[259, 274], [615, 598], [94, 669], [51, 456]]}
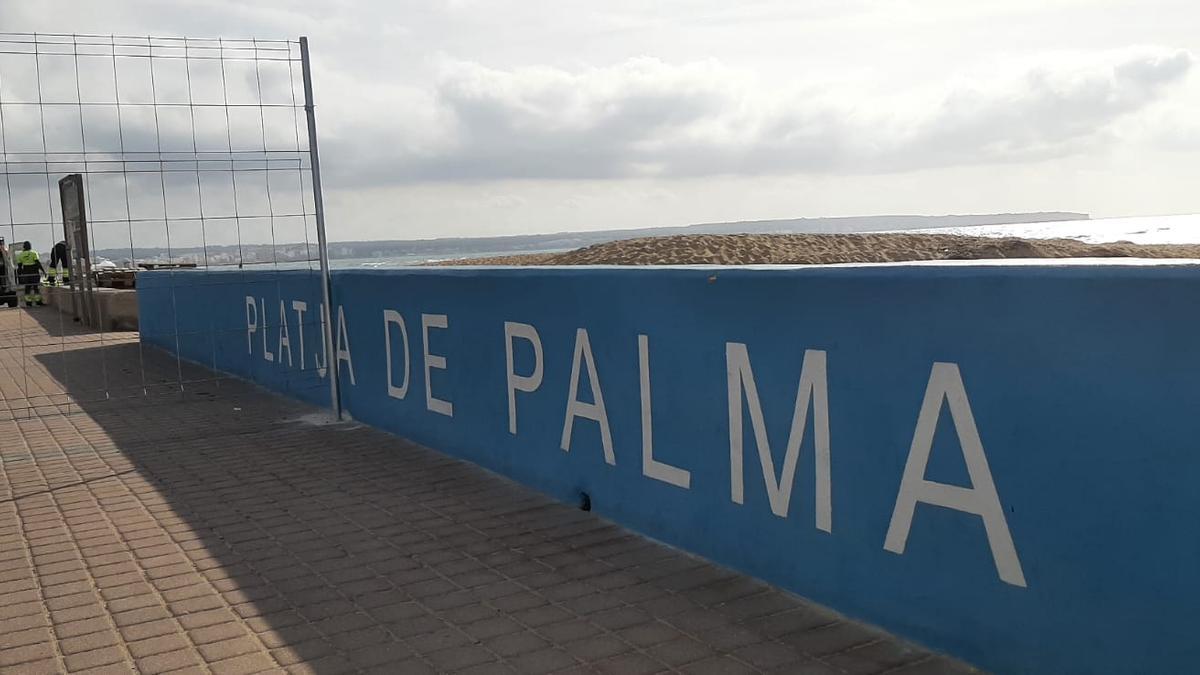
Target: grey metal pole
{"points": [[331, 368]]}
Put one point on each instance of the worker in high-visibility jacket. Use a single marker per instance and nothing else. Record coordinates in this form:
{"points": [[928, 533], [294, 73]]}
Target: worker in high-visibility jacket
{"points": [[29, 274], [59, 273]]}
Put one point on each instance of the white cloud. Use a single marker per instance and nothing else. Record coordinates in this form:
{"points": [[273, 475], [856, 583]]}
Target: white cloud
{"points": [[648, 118], [1049, 111], [471, 116]]}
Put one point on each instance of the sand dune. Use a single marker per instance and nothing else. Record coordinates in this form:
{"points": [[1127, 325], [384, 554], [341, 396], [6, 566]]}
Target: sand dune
{"points": [[797, 249]]}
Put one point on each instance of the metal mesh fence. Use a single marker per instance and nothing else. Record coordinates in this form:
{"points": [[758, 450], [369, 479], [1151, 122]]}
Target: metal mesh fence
{"points": [[193, 152]]}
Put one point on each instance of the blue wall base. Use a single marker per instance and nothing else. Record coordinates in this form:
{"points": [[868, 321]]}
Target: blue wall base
{"points": [[998, 462]]}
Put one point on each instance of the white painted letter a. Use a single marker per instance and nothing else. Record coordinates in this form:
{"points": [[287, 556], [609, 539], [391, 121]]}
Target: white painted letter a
{"points": [[981, 499]]}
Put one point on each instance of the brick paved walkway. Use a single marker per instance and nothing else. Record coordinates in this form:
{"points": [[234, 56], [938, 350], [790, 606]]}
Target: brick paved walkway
{"points": [[223, 533]]}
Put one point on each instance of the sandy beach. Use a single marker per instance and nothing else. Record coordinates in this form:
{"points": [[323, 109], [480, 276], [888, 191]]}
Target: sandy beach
{"points": [[818, 249]]}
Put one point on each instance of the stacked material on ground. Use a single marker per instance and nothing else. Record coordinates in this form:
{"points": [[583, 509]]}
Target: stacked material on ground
{"points": [[117, 278], [817, 249]]}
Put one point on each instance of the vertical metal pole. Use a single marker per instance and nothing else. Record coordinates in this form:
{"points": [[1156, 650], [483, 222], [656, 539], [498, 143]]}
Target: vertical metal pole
{"points": [[331, 362]]}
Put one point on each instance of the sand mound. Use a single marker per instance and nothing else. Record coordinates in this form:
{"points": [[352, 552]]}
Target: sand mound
{"points": [[817, 249]]}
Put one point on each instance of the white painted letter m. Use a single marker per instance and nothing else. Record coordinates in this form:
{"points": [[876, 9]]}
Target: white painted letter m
{"points": [[813, 390]]}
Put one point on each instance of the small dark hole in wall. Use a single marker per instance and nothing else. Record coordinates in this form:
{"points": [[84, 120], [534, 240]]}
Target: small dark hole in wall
{"points": [[585, 501]]}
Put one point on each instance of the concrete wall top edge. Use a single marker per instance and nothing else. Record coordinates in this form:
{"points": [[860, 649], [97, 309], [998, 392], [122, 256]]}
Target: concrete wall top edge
{"points": [[1058, 268]]}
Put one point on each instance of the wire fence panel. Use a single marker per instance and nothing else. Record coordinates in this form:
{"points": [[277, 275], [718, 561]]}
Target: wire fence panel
{"points": [[193, 153]]}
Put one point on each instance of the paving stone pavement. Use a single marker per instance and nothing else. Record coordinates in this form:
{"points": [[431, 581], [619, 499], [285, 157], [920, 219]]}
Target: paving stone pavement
{"points": [[225, 531]]}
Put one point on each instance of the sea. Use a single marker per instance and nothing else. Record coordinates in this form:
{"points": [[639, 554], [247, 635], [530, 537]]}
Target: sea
{"points": [[1184, 229], [393, 261], [1139, 230], [406, 260]]}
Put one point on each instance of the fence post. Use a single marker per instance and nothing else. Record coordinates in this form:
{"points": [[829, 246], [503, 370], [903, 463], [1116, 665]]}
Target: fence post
{"points": [[331, 367]]}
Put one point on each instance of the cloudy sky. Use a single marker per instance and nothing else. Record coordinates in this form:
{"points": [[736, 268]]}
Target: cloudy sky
{"points": [[482, 117]]}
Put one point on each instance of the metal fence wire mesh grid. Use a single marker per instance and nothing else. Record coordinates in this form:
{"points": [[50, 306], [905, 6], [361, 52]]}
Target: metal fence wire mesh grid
{"points": [[192, 152]]}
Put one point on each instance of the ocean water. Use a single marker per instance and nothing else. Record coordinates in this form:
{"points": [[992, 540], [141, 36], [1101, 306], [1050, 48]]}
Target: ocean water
{"points": [[392, 261], [1139, 230], [401, 261]]}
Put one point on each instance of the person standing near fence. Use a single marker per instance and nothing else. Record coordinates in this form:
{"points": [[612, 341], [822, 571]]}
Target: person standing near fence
{"points": [[29, 274], [59, 273]]}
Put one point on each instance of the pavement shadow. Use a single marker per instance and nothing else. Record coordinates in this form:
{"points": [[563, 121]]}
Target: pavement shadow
{"points": [[331, 548], [93, 367]]}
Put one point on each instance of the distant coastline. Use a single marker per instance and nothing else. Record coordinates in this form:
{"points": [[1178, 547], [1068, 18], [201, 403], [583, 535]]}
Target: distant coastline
{"points": [[827, 249], [399, 252]]}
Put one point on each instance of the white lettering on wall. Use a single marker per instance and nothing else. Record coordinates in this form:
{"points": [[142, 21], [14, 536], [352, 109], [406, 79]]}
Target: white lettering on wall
{"points": [[300, 307], [391, 316], [651, 467], [434, 404], [526, 383], [266, 354], [981, 499], [343, 345], [593, 411], [945, 388], [813, 388], [285, 339], [323, 360], [251, 322]]}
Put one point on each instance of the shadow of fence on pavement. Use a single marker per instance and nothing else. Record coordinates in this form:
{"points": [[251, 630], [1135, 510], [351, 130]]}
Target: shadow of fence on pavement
{"points": [[343, 548]]}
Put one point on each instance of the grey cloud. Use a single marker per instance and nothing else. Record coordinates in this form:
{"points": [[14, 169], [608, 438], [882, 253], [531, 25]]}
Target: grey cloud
{"points": [[135, 205], [1048, 114], [649, 118], [640, 118], [1153, 69]]}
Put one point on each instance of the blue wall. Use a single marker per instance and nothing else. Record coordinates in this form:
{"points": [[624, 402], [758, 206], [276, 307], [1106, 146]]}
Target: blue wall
{"points": [[1080, 382], [204, 316]]}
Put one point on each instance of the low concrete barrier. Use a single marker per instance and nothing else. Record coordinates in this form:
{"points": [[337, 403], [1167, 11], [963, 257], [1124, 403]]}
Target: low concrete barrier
{"points": [[997, 461], [117, 308]]}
